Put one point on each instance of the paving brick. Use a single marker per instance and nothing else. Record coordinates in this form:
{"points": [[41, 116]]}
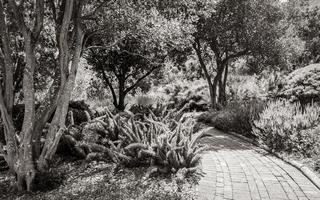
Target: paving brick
{"points": [[237, 170]]}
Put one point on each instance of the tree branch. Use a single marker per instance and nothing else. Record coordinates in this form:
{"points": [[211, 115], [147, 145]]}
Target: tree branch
{"points": [[98, 8], [108, 83], [140, 79], [62, 37], [236, 55], [8, 62], [144, 57], [104, 47], [197, 47], [39, 18]]}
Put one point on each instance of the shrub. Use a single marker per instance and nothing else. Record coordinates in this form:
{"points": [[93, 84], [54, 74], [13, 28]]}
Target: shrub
{"points": [[285, 126], [191, 95], [302, 85], [237, 117]]}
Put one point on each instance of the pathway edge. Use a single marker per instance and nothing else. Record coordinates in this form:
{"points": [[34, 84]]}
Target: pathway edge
{"points": [[304, 169]]}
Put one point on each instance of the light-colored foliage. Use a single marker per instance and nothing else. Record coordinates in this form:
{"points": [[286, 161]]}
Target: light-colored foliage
{"points": [[285, 126], [302, 84]]}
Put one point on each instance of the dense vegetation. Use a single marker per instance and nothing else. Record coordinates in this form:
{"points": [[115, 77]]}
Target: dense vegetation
{"points": [[130, 85]]}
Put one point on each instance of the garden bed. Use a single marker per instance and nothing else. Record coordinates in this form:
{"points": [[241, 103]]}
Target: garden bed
{"points": [[100, 180]]}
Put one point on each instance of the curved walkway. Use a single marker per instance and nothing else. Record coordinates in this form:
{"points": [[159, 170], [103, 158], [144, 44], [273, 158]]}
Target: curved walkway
{"points": [[235, 169]]}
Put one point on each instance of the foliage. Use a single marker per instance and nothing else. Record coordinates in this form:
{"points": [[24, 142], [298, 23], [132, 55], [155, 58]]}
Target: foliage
{"points": [[100, 180], [141, 104], [236, 117], [302, 85], [154, 143], [285, 126], [309, 33], [193, 95], [223, 37], [244, 87], [162, 137], [138, 46]]}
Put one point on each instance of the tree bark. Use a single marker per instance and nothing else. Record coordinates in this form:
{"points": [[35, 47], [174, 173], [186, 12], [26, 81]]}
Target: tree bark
{"points": [[8, 63], [203, 66], [9, 131], [222, 87], [43, 114], [25, 168], [122, 94], [217, 79], [58, 122]]}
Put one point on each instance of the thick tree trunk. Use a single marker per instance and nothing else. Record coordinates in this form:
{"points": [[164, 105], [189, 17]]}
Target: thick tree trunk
{"points": [[122, 94], [121, 105], [217, 79], [26, 170]]}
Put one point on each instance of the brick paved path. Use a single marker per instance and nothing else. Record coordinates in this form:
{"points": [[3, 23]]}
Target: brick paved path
{"points": [[237, 170]]}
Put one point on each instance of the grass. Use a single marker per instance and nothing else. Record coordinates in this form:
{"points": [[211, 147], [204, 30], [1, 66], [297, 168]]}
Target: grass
{"points": [[100, 180]]}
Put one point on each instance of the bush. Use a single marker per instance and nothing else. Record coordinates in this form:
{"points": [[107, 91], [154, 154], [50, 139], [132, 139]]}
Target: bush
{"points": [[236, 117], [302, 85], [191, 95], [285, 126]]}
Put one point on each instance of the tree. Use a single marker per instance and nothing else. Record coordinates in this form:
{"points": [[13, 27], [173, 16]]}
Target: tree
{"points": [[127, 65], [64, 20], [232, 30], [143, 35], [309, 33]]}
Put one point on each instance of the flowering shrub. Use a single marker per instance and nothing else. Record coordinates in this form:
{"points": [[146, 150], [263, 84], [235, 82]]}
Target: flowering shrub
{"points": [[285, 126], [302, 84]]}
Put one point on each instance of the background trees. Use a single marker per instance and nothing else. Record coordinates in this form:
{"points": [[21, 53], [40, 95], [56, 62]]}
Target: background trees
{"points": [[235, 29]]}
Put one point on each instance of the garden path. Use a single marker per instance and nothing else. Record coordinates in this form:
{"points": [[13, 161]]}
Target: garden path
{"points": [[235, 169]]}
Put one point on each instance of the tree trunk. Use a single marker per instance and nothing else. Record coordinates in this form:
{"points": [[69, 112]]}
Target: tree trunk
{"points": [[121, 105], [8, 63], [44, 112], [122, 95], [58, 122], [217, 79], [206, 73], [222, 87], [9, 131], [26, 170]]}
